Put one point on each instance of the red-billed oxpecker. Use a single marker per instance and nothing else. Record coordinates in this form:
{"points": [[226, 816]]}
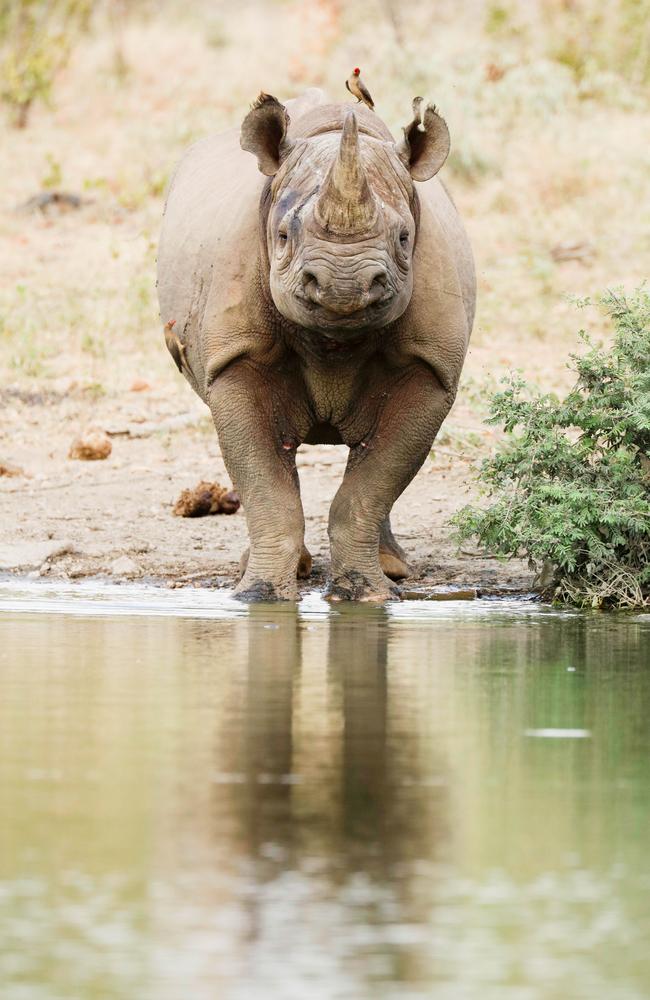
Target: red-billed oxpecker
{"points": [[358, 89]]}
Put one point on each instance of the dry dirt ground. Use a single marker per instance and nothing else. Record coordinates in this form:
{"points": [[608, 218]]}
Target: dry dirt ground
{"points": [[549, 167], [75, 519]]}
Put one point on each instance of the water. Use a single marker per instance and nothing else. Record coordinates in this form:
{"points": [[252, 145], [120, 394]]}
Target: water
{"points": [[426, 801]]}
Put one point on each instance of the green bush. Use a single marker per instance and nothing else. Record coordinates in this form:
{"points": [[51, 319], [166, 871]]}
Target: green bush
{"points": [[570, 484], [36, 40]]}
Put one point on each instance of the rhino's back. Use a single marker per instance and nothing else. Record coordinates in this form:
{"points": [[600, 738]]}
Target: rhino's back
{"points": [[210, 227]]}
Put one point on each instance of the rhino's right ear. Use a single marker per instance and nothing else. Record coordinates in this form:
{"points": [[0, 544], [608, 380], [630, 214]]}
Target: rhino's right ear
{"points": [[264, 133]]}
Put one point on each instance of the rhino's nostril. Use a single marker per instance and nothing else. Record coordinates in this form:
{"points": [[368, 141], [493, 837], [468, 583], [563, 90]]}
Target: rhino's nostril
{"points": [[310, 285], [378, 286]]}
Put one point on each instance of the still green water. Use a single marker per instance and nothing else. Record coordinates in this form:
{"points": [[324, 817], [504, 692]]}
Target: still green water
{"points": [[424, 801]]}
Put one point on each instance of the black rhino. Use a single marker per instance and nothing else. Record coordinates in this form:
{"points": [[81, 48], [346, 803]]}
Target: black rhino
{"points": [[330, 300]]}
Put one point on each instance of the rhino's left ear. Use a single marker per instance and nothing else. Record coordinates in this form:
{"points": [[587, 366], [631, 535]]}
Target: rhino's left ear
{"points": [[264, 133], [425, 145]]}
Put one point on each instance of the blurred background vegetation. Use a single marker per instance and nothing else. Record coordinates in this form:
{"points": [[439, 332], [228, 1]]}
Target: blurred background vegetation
{"points": [[547, 102]]}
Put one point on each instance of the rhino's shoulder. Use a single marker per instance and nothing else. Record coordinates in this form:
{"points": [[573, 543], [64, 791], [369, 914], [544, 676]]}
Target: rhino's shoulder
{"points": [[208, 249], [437, 325]]}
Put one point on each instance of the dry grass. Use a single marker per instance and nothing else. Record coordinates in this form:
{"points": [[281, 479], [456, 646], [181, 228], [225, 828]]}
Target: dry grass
{"points": [[550, 131]]}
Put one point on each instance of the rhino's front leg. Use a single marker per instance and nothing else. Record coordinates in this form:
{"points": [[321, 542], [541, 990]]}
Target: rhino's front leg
{"points": [[379, 469], [258, 443]]}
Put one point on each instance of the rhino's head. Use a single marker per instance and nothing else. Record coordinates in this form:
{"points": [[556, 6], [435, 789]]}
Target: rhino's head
{"points": [[341, 216]]}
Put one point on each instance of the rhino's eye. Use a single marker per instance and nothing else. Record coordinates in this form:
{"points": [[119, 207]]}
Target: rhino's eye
{"points": [[404, 237], [283, 236]]}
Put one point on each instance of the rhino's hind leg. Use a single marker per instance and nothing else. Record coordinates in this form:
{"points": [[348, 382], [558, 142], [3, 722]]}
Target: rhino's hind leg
{"points": [[252, 415], [304, 563], [392, 557], [378, 471]]}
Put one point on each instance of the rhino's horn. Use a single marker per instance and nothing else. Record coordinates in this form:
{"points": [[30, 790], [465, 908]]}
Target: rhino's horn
{"points": [[346, 204]]}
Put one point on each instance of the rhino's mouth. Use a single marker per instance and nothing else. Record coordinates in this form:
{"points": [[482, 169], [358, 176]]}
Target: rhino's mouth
{"points": [[346, 314]]}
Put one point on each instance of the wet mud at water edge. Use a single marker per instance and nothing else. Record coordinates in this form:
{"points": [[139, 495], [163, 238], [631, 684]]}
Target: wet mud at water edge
{"points": [[425, 800]]}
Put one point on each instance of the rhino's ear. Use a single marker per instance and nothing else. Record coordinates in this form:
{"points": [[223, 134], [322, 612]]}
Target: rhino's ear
{"points": [[264, 133], [425, 145]]}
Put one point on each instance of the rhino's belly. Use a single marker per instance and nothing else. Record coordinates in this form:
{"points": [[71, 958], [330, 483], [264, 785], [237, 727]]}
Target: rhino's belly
{"points": [[323, 433]]}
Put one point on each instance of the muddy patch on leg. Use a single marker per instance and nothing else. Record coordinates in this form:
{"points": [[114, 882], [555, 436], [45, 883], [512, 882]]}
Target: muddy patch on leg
{"points": [[260, 590], [354, 586]]}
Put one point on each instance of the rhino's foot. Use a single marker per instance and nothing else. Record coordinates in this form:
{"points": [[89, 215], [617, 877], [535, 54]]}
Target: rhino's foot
{"points": [[264, 590], [304, 564], [394, 567], [355, 586]]}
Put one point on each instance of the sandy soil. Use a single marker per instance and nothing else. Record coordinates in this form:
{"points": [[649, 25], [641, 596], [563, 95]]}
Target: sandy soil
{"points": [[73, 519]]}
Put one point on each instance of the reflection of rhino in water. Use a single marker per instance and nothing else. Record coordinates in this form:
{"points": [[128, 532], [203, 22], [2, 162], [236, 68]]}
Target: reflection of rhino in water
{"points": [[330, 302]]}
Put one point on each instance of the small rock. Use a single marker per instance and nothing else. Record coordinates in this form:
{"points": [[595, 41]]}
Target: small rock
{"points": [[93, 444], [31, 555], [125, 566], [139, 385], [494, 72], [206, 498]]}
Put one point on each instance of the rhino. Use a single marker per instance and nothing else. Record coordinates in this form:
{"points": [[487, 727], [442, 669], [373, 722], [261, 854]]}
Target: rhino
{"points": [[317, 287]]}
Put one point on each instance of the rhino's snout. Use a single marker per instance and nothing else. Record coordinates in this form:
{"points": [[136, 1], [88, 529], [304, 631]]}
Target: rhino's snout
{"points": [[345, 298]]}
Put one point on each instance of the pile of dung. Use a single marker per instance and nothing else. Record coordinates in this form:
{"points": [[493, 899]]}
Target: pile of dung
{"points": [[206, 498]]}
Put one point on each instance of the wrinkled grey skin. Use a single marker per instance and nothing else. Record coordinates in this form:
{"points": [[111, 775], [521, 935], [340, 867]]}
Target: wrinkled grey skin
{"points": [[323, 299]]}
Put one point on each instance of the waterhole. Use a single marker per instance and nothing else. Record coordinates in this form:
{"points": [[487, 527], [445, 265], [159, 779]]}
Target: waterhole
{"points": [[202, 800]]}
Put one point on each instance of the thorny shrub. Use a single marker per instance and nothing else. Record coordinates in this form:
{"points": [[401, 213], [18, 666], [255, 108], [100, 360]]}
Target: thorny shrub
{"points": [[570, 483]]}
